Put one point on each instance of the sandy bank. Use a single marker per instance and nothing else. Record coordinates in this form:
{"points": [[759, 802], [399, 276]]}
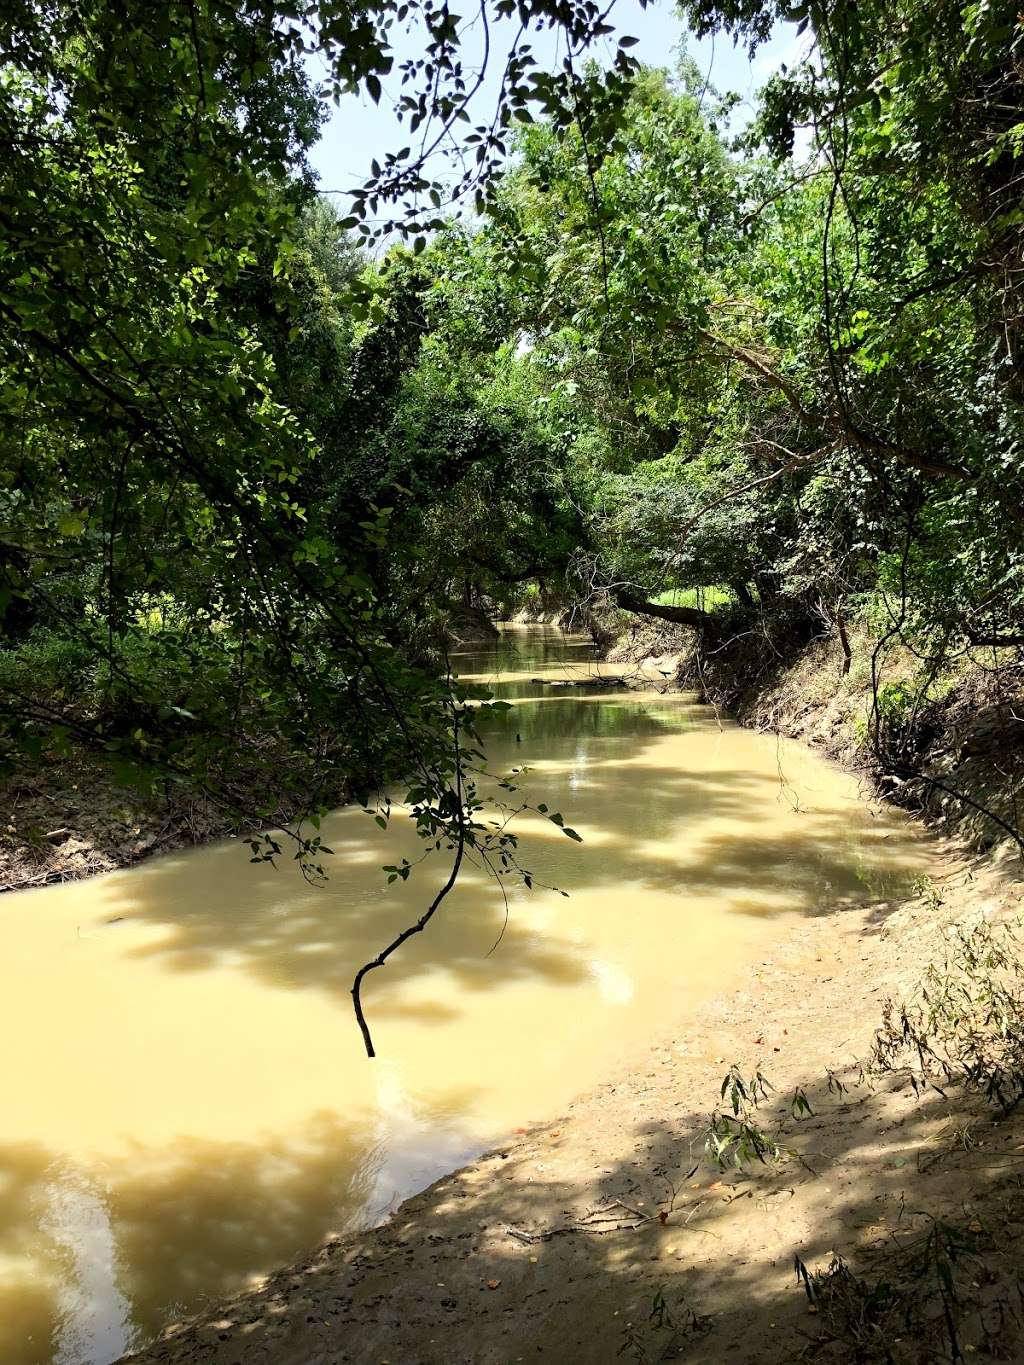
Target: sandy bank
{"points": [[602, 1235]]}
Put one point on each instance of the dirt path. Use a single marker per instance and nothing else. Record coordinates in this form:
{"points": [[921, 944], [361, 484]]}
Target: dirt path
{"points": [[554, 1246]]}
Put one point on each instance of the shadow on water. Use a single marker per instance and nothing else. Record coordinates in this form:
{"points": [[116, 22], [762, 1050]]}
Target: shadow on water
{"points": [[745, 836], [665, 835]]}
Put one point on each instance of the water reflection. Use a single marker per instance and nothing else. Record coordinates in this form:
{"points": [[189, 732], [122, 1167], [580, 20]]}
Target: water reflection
{"points": [[92, 1313], [114, 1251], [188, 1103]]}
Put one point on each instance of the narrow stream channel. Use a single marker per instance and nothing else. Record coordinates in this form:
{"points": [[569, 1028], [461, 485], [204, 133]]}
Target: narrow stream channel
{"points": [[187, 1103]]}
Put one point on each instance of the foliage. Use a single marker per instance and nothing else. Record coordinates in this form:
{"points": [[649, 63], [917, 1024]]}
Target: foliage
{"points": [[795, 376], [965, 1023], [734, 1138], [669, 1327], [923, 1306]]}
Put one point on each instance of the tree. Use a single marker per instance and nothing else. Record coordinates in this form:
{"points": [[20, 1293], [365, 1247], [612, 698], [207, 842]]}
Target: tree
{"points": [[179, 375]]}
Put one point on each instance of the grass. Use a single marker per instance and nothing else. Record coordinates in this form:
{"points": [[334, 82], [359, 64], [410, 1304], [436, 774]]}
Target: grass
{"points": [[706, 598]]}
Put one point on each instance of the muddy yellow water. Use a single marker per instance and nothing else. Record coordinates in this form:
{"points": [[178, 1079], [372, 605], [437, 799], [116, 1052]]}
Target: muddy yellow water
{"points": [[185, 1098]]}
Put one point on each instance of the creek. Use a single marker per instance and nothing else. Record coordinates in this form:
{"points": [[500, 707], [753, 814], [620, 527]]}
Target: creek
{"points": [[187, 1101]]}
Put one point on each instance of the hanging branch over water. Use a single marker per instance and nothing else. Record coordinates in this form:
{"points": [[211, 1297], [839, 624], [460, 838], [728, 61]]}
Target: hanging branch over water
{"points": [[455, 819], [404, 936], [458, 815]]}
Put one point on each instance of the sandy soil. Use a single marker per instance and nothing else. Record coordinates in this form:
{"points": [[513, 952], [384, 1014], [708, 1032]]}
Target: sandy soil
{"points": [[604, 1235]]}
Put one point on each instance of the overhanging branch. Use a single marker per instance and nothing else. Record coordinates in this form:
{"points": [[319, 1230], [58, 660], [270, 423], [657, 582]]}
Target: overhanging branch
{"points": [[680, 616]]}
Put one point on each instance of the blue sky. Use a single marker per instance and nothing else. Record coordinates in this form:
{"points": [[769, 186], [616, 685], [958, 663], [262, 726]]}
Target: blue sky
{"points": [[359, 130]]}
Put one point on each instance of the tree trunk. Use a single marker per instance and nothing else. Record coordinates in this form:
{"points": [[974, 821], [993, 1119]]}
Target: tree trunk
{"points": [[844, 640], [744, 595], [680, 616]]}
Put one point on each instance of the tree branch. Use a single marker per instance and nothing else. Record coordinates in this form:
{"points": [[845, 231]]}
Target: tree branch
{"points": [[936, 469], [680, 616], [428, 914]]}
